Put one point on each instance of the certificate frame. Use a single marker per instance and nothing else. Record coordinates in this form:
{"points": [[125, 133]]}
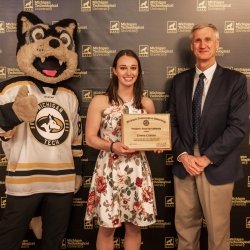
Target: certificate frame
{"points": [[146, 131]]}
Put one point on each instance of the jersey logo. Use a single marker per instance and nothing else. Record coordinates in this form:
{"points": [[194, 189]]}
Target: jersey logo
{"points": [[52, 125]]}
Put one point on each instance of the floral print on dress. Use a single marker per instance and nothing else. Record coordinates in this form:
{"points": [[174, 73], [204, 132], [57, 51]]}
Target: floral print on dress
{"points": [[122, 187]]}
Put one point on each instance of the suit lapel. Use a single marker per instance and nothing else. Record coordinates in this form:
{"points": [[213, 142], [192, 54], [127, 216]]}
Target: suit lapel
{"points": [[189, 91], [213, 89]]}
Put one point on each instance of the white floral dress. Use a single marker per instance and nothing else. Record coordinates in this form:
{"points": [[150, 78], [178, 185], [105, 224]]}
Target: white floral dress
{"points": [[122, 188]]}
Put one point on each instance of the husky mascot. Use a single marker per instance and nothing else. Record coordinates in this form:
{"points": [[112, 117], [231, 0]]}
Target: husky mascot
{"points": [[41, 132]]}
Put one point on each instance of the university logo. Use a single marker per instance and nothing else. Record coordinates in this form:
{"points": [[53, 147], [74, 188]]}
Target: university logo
{"points": [[169, 201], [3, 160], [52, 125], [143, 5], [143, 51], [86, 50], [229, 27], [2, 27], [3, 202], [145, 92], [28, 5], [117, 243], [64, 243], [87, 95], [171, 27], [169, 242], [88, 225], [114, 27], [201, 5], [248, 222], [87, 181], [171, 72], [3, 73], [86, 5], [169, 159]]}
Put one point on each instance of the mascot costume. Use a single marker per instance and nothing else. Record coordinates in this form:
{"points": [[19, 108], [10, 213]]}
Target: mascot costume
{"points": [[41, 132]]}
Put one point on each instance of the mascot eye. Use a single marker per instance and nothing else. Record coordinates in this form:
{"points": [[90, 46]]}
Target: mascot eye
{"points": [[66, 39], [37, 34]]}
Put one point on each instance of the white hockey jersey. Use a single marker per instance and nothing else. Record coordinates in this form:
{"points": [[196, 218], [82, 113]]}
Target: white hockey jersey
{"points": [[40, 154]]}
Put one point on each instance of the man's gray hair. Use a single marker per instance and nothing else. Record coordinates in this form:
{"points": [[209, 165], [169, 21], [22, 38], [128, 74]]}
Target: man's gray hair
{"points": [[204, 25]]}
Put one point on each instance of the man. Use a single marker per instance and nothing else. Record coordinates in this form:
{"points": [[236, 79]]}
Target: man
{"points": [[206, 145]]}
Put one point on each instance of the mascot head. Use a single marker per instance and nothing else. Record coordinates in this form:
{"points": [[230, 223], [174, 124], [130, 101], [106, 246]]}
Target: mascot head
{"points": [[46, 52]]}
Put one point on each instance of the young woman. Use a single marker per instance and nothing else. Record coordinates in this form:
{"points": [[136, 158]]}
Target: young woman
{"points": [[122, 188]]}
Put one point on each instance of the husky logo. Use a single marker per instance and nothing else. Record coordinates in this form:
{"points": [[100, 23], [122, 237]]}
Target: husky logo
{"points": [[28, 5], [51, 126]]}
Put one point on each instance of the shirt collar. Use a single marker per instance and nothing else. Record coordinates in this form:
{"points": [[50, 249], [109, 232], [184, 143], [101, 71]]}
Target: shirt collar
{"points": [[208, 72]]}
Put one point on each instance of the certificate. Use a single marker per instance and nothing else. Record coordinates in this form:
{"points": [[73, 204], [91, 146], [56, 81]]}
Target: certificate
{"points": [[146, 131]]}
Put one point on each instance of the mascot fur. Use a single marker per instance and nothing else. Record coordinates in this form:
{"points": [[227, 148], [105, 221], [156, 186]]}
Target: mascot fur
{"points": [[41, 132]]}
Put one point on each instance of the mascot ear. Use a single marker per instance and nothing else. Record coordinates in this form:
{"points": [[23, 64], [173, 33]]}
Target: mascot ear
{"points": [[25, 21]]}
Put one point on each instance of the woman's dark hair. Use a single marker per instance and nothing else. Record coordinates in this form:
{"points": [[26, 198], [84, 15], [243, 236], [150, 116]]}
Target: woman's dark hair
{"points": [[112, 90]]}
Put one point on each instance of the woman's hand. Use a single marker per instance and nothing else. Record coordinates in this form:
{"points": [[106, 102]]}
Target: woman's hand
{"points": [[121, 149], [159, 151]]}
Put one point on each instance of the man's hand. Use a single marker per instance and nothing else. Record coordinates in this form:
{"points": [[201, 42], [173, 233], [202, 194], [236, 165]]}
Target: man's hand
{"points": [[194, 165], [191, 164]]}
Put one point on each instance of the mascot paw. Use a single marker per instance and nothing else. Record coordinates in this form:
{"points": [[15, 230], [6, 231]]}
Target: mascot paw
{"points": [[25, 106], [78, 183], [36, 226]]}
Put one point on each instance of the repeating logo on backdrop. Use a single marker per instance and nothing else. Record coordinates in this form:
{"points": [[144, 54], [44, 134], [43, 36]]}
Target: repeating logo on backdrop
{"points": [[2, 27], [117, 243], [171, 71], [143, 5], [169, 242], [212, 5], [169, 201], [87, 51], [3, 160], [245, 159], [3, 202], [169, 159], [153, 50], [171, 26], [145, 92], [3, 73], [87, 95], [28, 5], [64, 243], [153, 5], [201, 5], [86, 5], [143, 51], [114, 27], [248, 222], [174, 27], [229, 27], [88, 225], [87, 181], [52, 125]]}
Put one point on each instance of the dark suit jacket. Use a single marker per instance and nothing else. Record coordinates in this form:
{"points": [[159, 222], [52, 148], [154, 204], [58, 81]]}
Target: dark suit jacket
{"points": [[224, 123]]}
